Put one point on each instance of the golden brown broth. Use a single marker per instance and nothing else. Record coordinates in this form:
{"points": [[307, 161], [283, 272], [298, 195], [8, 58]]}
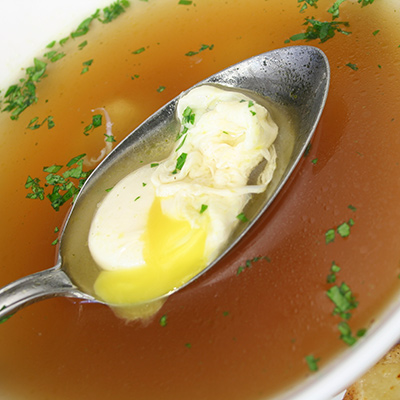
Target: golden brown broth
{"points": [[277, 311]]}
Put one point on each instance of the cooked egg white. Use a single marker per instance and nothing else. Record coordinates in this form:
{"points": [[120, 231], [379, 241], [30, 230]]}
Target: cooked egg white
{"points": [[165, 222]]}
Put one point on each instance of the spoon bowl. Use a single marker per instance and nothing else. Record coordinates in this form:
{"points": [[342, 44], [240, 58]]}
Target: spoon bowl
{"points": [[293, 79]]}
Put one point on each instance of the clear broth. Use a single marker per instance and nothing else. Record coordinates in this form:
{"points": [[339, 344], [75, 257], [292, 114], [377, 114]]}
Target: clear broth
{"points": [[228, 336]]}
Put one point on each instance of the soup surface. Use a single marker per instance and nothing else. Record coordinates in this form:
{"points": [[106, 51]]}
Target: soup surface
{"points": [[246, 328]]}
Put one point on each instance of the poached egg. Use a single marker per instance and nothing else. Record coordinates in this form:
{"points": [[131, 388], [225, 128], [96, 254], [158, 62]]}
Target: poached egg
{"points": [[165, 222]]}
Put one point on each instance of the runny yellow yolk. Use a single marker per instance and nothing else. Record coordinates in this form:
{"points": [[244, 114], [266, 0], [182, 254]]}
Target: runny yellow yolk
{"points": [[173, 254]]}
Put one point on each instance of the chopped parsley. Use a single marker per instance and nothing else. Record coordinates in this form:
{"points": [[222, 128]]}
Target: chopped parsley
{"points": [[344, 229], [242, 217], [314, 161], [4, 319], [82, 45], [137, 198], [185, 2], [320, 30], [138, 51], [96, 122], [334, 10], [343, 299], [180, 162], [54, 56], [51, 44], [20, 96], [144, 184], [376, 32], [161, 89], [54, 242], [135, 76], [365, 2], [163, 320], [63, 188], [109, 138], [253, 113], [188, 116], [344, 302], [351, 207], [33, 124], [152, 165], [63, 41], [203, 208], [249, 263], [352, 66], [86, 65], [346, 334], [312, 363], [331, 278], [113, 11], [306, 3], [329, 236], [202, 48]]}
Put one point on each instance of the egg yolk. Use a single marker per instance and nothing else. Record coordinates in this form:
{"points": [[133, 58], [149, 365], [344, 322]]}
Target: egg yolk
{"points": [[174, 252]]}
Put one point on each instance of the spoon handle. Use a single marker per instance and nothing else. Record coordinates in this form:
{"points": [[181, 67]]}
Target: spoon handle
{"points": [[42, 285]]}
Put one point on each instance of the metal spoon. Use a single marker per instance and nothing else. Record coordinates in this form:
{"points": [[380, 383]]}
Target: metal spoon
{"points": [[295, 79]]}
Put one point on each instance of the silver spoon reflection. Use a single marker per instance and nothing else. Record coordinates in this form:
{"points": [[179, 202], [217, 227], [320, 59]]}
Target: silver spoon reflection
{"points": [[292, 79]]}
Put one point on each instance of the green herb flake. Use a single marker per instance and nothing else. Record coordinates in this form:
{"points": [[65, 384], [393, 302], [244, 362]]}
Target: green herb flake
{"points": [[7, 317], [188, 345], [86, 65], [203, 208], [137, 198], [306, 3], [56, 229], [361, 332], [346, 334], [331, 278], [352, 208], [63, 41], [51, 44], [54, 242], [365, 2], [320, 30], [109, 189], [188, 116], [163, 320], [376, 32], [64, 188], [334, 10], [329, 236], [153, 165], [135, 76], [50, 122], [352, 66], [185, 2], [253, 113], [109, 138], [202, 48], [314, 161], [144, 184], [225, 313], [161, 89], [242, 217], [344, 229], [180, 162], [113, 11], [343, 299], [138, 51], [82, 45], [312, 362], [97, 120]]}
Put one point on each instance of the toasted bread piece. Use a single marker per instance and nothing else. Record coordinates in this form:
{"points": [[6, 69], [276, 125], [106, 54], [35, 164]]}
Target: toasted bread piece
{"points": [[382, 382]]}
